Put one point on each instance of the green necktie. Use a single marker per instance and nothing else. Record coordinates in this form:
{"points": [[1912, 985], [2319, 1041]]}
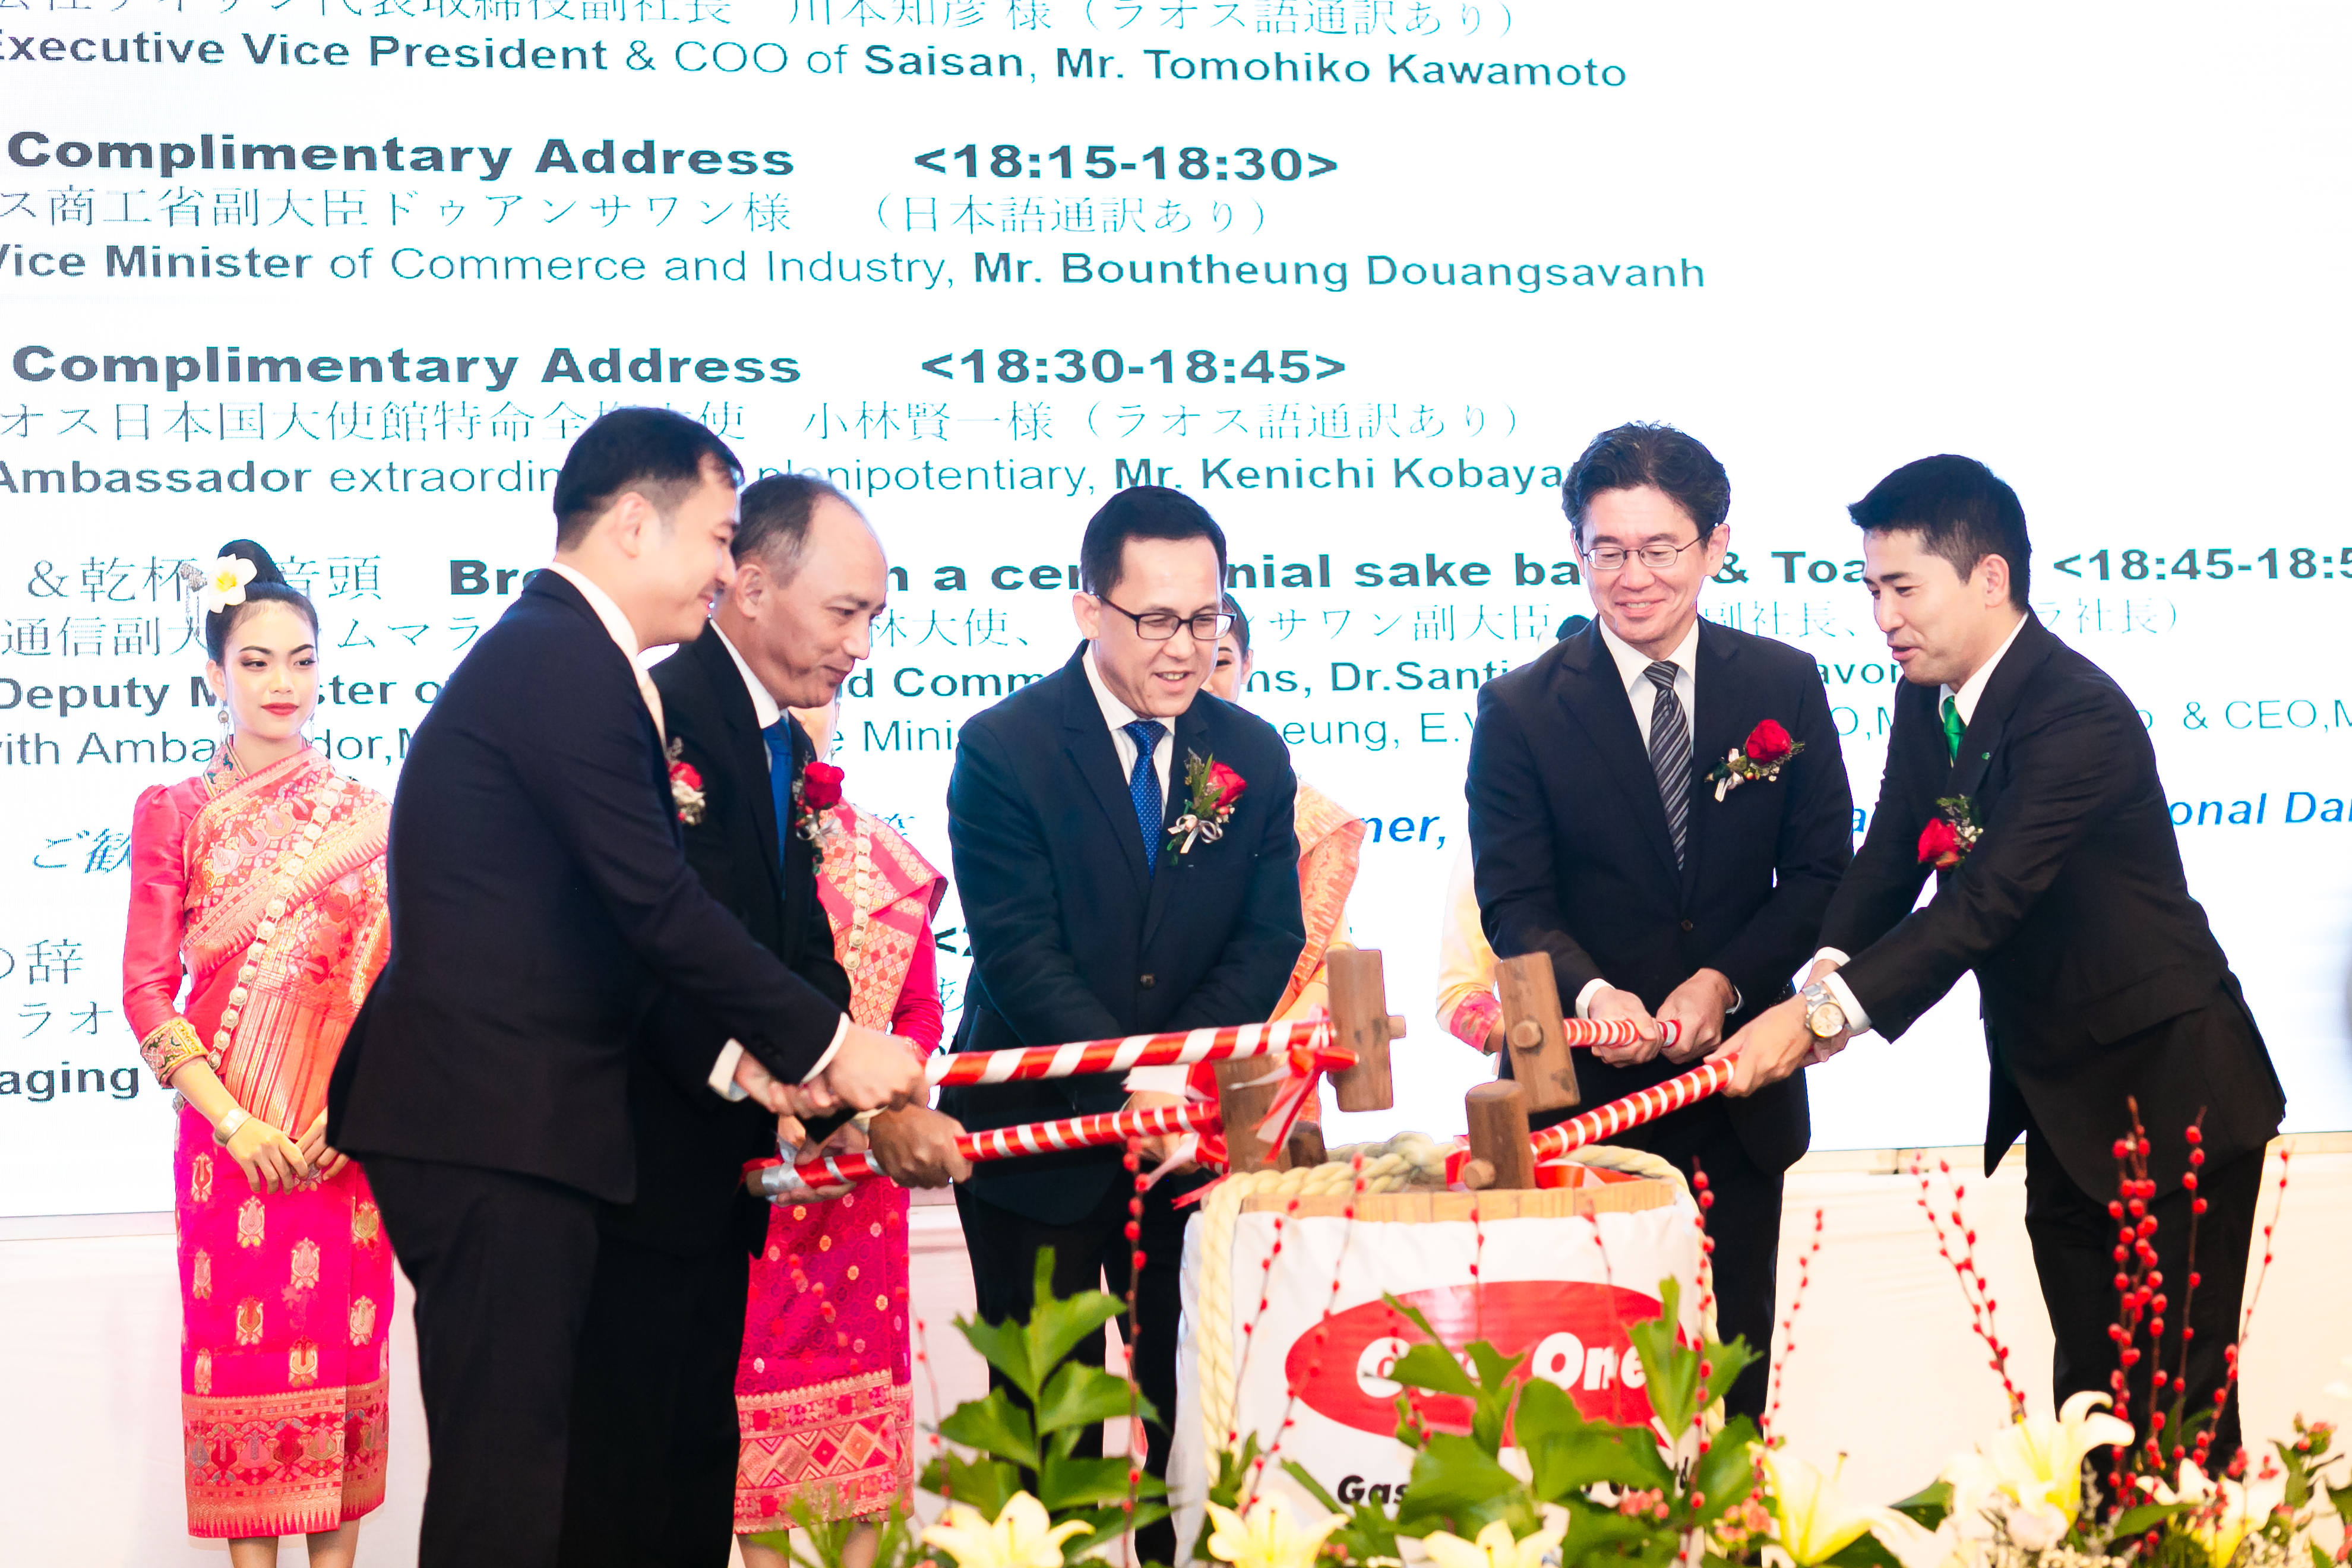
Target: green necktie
{"points": [[1953, 729]]}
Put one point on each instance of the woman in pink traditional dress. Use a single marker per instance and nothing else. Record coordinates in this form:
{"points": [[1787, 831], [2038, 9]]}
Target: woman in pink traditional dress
{"points": [[824, 1391], [265, 871]]}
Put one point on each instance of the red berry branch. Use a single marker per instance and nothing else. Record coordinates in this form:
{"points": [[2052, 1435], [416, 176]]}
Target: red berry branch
{"points": [[1974, 1288], [1788, 1336]]}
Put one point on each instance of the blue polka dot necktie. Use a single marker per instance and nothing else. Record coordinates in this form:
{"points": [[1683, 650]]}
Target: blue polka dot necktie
{"points": [[1143, 786]]}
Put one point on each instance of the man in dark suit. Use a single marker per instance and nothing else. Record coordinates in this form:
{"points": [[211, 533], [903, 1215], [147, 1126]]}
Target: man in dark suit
{"points": [[1598, 838], [2100, 979], [541, 901], [1088, 920], [654, 1431]]}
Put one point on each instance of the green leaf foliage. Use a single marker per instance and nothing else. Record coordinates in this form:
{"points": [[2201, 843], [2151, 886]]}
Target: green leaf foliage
{"points": [[1106, 1525], [1079, 1396], [1027, 1352], [1065, 1483], [992, 1426], [1929, 1506], [1600, 1537], [1865, 1550], [2146, 1517], [985, 1484], [1433, 1368], [1725, 1476], [1458, 1485], [1369, 1535]]}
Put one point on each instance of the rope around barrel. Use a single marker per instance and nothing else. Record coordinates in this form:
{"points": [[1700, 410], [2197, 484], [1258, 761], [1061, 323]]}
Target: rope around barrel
{"points": [[1407, 1160]]}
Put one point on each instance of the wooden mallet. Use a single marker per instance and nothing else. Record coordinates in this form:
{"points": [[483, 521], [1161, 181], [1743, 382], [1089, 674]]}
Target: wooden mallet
{"points": [[1534, 1033], [1360, 1021]]}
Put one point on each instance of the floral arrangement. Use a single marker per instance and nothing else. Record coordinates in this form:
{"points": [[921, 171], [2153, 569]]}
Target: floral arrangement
{"points": [[1949, 836], [1533, 1483], [685, 785], [1211, 789], [816, 792], [1760, 757]]}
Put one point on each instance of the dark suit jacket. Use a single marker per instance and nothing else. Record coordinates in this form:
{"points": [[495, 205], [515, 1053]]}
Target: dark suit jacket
{"points": [[1073, 939], [541, 898], [691, 1143], [1574, 857], [2075, 914]]}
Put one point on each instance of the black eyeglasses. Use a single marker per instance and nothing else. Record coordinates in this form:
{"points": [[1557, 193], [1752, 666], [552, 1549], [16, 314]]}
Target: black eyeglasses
{"points": [[1656, 557], [1159, 625]]}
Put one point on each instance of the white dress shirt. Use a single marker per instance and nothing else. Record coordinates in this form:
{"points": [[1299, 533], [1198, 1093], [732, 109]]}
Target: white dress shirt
{"points": [[1970, 693], [1118, 716], [1634, 669]]}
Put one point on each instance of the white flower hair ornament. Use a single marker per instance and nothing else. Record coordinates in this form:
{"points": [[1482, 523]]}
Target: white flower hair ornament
{"points": [[224, 583]]}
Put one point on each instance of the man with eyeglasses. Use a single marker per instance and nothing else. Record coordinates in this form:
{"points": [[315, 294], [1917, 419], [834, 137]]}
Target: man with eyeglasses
{"points": [[1662, 894], [1091, 918]]}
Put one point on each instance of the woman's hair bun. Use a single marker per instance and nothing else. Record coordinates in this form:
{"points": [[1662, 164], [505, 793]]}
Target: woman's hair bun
{"points": [[265, 570]]}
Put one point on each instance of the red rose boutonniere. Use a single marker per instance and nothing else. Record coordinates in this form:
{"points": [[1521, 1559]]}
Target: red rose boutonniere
{"points": [[685, 785], [816, 792], [1211, 789], [1947, 839], [1760, 756]]}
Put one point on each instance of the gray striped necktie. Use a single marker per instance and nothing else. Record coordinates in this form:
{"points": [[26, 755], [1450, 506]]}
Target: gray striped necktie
{"points": [[1670, 754]]}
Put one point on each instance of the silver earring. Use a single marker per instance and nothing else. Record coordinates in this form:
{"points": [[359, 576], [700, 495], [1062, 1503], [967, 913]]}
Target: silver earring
{"points": [[222, 714]]}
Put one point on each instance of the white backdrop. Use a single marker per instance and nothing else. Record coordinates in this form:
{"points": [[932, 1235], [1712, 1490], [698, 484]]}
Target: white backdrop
{"points": [[2082, 247]]}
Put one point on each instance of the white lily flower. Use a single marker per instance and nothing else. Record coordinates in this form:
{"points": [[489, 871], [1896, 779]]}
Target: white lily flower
{"points": [[1495, 1548], [225, 582], [1268, 1537], [1916, 1546], [1811, 1521], [1020, 1537], [2244, 1509], [2029, 1474]]}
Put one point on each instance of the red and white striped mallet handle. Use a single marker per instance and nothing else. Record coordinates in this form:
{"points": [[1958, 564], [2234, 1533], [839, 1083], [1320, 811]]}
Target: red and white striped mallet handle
{"points": [[1613, 1031], [1605, 1122], [1179, 1049], [803, 1181]]}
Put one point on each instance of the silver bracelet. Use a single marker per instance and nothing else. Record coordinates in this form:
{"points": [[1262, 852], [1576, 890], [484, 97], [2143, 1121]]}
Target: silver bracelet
{"points": [[226, 1127]]}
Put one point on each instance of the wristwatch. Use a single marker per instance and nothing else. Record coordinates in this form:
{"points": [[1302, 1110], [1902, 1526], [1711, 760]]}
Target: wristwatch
{"points": [[1824, 1017]]}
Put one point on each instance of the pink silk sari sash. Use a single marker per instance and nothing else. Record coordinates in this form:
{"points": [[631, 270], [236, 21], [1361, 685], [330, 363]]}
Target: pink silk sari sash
{"points": [[330, 933]]}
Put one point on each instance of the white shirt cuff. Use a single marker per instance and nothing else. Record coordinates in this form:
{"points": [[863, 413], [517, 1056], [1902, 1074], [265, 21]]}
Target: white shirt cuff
{"points": [[1584, 998], [722, 1072], [1856, 1020], [840, 1032], [730, 1056], [1158, 1080]]}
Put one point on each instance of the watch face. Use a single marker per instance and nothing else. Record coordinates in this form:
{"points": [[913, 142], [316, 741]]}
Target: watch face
{"points": [[1826, 1021]]}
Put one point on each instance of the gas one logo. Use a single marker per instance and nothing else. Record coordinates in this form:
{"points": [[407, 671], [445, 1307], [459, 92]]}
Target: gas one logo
{"points": [[1573, 1332]]}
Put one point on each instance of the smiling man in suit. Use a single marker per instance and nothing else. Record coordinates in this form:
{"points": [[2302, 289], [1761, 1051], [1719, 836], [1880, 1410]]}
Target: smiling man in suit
{"points": [[654, 1432], [541, 902], [1598, 839], [2100, 980], [1088, 920]]}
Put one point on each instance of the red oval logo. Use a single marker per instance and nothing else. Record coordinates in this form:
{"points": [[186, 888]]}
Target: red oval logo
{"points": [[1573, 1332]]}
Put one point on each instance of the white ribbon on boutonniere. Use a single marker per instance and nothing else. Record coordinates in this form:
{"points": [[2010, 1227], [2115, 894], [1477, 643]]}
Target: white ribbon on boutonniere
{"points": [[1760, 757], [1211, 789]]}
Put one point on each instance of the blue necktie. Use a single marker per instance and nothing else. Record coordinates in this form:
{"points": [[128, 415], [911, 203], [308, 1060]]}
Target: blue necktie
{"points": [[1143, 786], [779, 736]]}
